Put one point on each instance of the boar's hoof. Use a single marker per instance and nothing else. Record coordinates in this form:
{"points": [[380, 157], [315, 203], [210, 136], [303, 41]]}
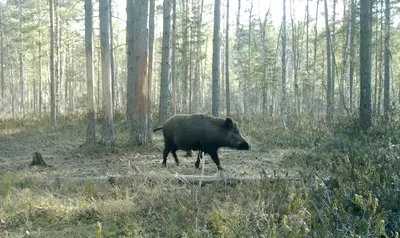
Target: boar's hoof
{"points": [[244, 146], [164, 164], [220, 168]]}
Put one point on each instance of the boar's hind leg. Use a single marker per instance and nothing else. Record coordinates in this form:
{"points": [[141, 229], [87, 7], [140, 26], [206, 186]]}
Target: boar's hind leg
{"points": [[173, 151], [165, 155], [214, 157]]}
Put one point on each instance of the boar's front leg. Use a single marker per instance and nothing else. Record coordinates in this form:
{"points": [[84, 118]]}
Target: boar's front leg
{"points": [[214, 157]]}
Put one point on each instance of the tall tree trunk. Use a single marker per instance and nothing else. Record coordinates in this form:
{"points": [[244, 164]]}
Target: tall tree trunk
{"points": [[2, 51], [197, 83], [386, 91], [307, 42], [380, 86], [313, 98], [173, 59], [284, 91], [333, 72], [151, 49], [108, 131], [365, 63], [138, 98], [329, 108], [238, 62], [352, 56], [185, 53], [52, 76], [56, 55], [215, 63], [91, 115], [112, 57], [165, 64], [227, 90], [342, 100], [20, 59], [246, 82], [294, 51]]}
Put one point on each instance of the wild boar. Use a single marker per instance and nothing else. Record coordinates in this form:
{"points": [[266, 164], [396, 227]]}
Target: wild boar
{"points": [[200, 132]]}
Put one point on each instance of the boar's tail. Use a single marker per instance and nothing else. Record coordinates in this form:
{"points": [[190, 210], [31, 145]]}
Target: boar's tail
{"points": [[158, 128]]}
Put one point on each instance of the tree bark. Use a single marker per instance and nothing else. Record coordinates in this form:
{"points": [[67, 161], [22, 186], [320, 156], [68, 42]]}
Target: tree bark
{"points": [[283, 102], [108, 131], [165, 62], [215, 63], [329, 91], [113, 82], [2, 51], [138, 97], [52, 76], [173, 59], [313, 98], [365, 63], [227, 90], [351, 67], [91, 116], [386, 92], [21, 63]]}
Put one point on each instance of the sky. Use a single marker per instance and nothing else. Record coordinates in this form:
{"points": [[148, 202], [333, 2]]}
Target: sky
{"points": [[260, 7]]}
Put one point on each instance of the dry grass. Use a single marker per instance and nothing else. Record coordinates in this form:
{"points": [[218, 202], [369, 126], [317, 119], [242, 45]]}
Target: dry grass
{"points": [[66, 200]]}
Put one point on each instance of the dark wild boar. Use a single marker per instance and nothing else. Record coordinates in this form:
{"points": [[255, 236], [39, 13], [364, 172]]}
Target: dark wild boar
{"points": [[200, 132]]}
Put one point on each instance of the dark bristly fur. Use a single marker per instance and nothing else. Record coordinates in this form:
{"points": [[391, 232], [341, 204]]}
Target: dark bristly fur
{"points": [[200, 132]]}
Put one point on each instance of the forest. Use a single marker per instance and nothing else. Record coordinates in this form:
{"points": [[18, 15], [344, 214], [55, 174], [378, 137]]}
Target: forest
{"points": [[300, 98]]}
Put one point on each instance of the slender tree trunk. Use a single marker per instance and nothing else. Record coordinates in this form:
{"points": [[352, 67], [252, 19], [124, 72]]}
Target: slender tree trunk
{"points": [[151, 50], [342, 100], [56, 57], [227, 90], [52, 76], [307, 43], [246, 82], [332, 48], [329, 108], [112, 57], [313, 98], [185, 55], [386, 91], [215, 63], [12, 90], [21, 63], [165, 61], [173, 59], [352, 56], [2, 51], [108, 131], [40, 74], [91, 115], [380, 86], [283, 102], [238, 62], [365, 63]]}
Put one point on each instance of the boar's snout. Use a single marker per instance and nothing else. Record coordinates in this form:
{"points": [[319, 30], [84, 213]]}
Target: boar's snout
{"points": [[244, 146]]}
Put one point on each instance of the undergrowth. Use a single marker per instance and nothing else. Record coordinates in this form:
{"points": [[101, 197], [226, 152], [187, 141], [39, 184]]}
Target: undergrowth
{"points": [[348, 186]]}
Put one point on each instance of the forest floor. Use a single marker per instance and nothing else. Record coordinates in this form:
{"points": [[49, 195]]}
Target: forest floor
{"points": [[70, 198]]}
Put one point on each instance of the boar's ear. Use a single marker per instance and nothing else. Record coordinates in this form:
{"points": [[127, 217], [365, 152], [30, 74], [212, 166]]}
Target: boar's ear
{"points": [[228, 123]]}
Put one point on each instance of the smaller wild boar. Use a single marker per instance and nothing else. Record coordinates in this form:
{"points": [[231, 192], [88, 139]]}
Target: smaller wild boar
{"points": [[200, 132]]}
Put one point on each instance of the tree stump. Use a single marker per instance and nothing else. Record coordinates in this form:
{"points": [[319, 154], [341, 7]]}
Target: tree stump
{"points": [[38, 160]]}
